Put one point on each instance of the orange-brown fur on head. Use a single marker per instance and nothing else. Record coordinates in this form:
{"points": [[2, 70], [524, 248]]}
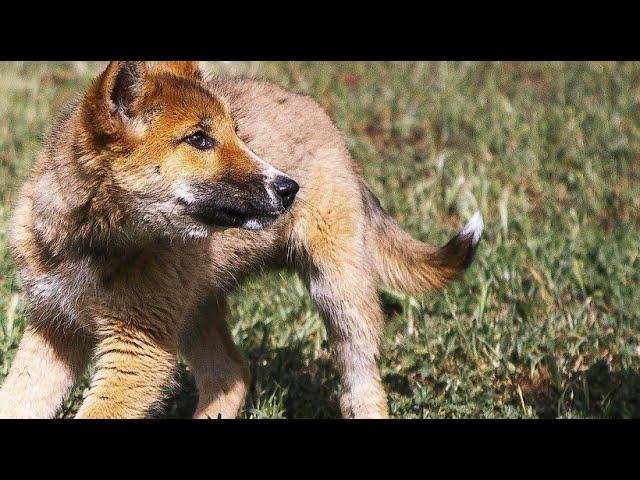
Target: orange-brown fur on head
{"points": [[130, 138]]}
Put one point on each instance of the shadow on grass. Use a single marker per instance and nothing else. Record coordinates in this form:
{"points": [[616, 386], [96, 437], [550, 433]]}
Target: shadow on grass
{"points": [[308, 388], [597, 392], [183, 400], [303, 389]]}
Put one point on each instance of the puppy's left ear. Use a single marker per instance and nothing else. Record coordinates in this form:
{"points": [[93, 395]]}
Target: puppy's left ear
{"points": [[190, 69]]}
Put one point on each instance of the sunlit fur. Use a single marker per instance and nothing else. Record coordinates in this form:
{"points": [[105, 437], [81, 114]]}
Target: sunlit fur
{"points": [[113, 263]]}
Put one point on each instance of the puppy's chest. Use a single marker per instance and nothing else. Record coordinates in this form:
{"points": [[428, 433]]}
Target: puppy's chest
{"points": [[140, 283], [63, 293]]}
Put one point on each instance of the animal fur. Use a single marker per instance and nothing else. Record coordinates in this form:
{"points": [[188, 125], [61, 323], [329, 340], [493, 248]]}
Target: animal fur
{"points": [[128, 240]]}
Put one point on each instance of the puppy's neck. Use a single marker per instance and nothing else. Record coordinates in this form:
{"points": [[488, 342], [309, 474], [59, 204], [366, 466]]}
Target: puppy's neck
{"points": [[76, 209]]}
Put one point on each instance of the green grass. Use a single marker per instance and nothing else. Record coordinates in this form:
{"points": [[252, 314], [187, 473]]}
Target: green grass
{"points": [[545, 324]]}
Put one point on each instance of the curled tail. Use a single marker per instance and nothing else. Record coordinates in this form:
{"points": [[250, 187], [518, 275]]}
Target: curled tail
{"points": [[407, 264]]}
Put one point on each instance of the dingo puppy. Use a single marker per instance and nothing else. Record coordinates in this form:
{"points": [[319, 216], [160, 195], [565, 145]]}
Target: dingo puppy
{"points": [[153, 197]]}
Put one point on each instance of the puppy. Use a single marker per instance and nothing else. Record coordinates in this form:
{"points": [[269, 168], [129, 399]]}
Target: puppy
{"points": [[154, 196]]}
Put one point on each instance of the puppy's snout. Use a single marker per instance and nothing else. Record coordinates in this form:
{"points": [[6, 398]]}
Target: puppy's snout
{"points": [[286, 190]]}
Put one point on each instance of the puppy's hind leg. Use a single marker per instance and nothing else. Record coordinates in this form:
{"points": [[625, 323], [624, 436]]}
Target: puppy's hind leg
{"points": [[221, 372], [45, 368], [352, 315], [345, 291]]}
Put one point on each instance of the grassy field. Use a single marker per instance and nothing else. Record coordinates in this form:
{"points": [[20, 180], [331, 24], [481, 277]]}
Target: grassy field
{"points": [[547, 321]]}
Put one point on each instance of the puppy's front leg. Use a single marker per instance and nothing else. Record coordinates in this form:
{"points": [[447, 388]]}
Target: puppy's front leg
{"points": [[45, 368], [220, 370], [134, 370]]}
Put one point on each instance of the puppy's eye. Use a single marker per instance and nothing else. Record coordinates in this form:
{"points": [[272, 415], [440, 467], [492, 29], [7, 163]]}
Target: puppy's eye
{"points": [[200, 140]]}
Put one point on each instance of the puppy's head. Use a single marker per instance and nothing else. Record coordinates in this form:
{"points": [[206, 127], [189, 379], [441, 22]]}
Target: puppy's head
{"points": [[169, 153]]}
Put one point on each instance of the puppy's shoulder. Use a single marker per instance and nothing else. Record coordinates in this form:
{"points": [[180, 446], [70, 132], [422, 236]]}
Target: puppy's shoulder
{"points": [[264, 109]]}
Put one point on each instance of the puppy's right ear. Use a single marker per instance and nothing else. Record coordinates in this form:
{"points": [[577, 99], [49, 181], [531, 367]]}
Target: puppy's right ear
{"points": [[112, 101], [122, 86]]}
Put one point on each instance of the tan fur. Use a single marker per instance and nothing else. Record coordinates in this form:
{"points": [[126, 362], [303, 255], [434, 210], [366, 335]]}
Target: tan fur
{"points": [[221, 372], [105, 251], [43, 372]]}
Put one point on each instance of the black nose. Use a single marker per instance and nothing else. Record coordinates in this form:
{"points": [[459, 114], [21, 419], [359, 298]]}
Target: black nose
{"points": [[286, 189]]}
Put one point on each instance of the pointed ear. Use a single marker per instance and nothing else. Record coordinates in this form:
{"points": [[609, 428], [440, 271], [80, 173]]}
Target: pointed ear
{"points": [[122, 85], [189, 69]]}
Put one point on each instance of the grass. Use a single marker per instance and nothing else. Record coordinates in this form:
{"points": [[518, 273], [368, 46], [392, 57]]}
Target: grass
{"points": [[545, 324]]}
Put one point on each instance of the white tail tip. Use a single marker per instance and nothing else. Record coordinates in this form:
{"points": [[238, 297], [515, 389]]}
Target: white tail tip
{"points": [[473, 229]]}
